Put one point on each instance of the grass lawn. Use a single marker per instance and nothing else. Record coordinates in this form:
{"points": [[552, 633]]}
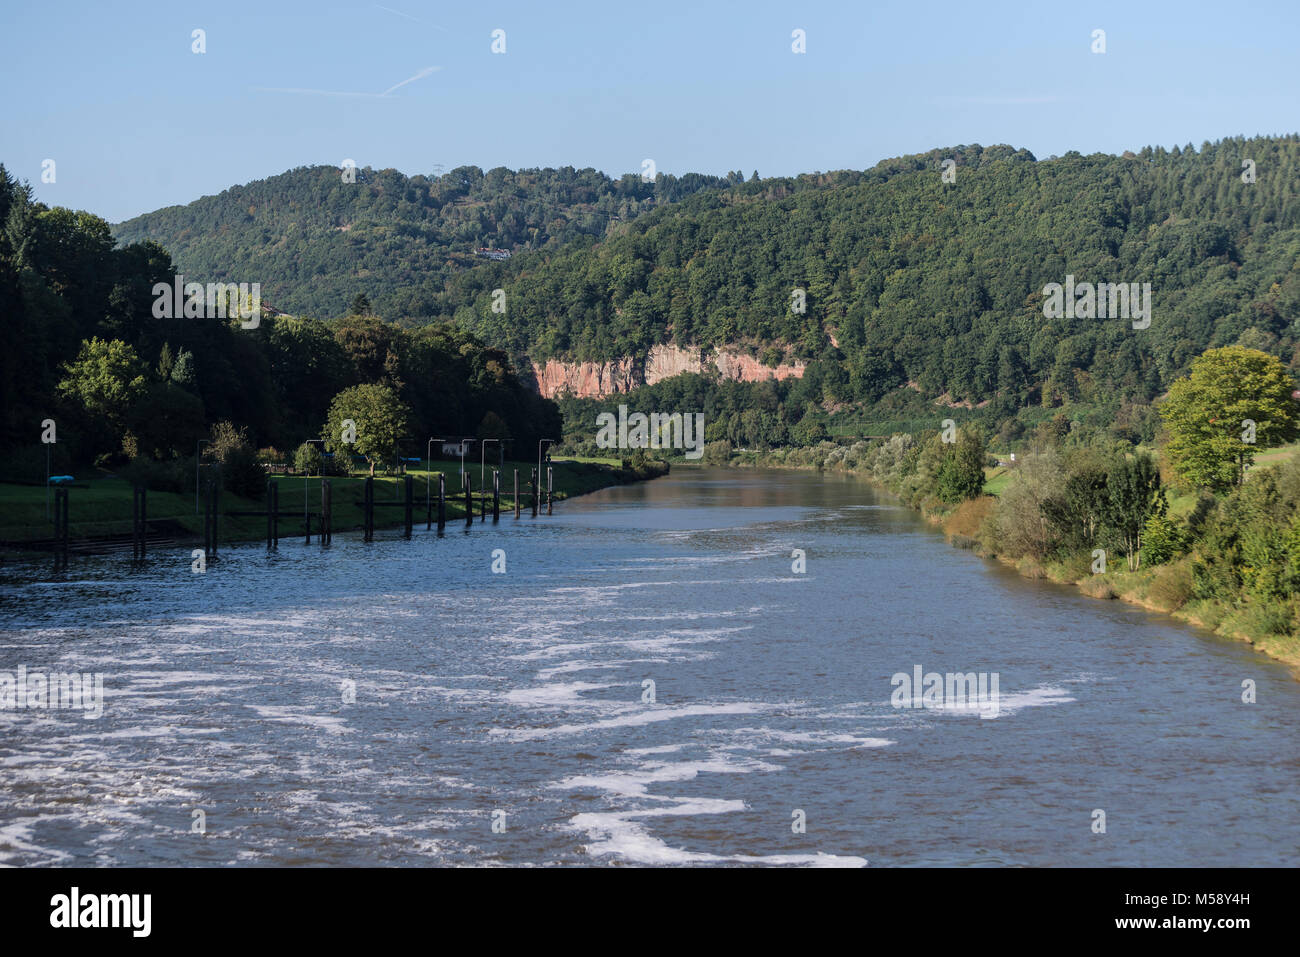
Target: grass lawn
{"points": [[996, 479], [102, 506], [1278, 455]]}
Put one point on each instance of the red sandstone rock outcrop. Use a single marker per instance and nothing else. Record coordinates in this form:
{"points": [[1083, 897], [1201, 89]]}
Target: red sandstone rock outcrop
{"points": [[588, 380]]}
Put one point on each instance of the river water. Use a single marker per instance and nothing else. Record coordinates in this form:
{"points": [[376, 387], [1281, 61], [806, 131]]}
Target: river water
{"points": [[505, 718]]}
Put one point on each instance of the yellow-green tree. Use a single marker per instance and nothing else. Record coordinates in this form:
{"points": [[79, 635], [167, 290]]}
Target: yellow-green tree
{"points": [[105, 379], [1235, 401], [369, 420]]}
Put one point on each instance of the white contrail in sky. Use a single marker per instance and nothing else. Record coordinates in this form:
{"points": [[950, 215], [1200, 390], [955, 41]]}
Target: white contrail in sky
{"points": [[411, 79], [427, 71], [407, 15]]}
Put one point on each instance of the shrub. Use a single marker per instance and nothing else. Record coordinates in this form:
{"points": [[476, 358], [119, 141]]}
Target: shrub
{"points": [[1162, 540], [308, 459], [240, 471], [174, 475], [968, 517], [1098, 587], [1029, 568], [717, 453], [1172, 586], [26, 464], [1260, 619]]}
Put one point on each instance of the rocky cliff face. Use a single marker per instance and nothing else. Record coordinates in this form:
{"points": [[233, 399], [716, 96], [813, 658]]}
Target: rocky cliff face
{"points": [[595, 380]]}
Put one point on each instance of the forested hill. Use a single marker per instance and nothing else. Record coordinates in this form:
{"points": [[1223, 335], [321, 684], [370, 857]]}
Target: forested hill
{"points": [[907, 278], [313, 240], [940, 284]]}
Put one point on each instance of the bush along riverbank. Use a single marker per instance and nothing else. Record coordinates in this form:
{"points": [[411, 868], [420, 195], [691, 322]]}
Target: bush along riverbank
{"points": [[1113, 519]]}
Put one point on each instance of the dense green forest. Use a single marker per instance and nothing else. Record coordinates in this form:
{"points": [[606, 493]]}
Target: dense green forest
{"points": [[313, 240], [940, 284], [915, 289], [87, 352]]}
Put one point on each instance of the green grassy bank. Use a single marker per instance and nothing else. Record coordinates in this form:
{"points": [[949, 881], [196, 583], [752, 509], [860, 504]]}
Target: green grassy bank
{"points": [[100, 508]]}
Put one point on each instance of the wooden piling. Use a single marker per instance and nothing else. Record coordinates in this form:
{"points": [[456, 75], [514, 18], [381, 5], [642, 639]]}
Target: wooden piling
{"points": [[60, 528], [210, 521], [442, 502], [516, 493], [406, 511], [326, 512], [139, 522], [496, 496], [533, 483], [469, 500], [368, 510], [272, 508], [548, 490]]}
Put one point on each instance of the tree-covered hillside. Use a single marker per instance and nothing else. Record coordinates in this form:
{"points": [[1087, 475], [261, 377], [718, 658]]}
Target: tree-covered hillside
{"points": [[314, 240], [914, 288], [87, 353], [940, 284]]}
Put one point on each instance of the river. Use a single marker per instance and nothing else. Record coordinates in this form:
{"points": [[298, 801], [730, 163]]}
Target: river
{"points": [[508, 717]]}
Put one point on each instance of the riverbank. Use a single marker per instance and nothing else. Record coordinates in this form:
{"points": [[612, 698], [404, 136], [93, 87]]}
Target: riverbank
{"points": [[100, 509], [1166, 588]]}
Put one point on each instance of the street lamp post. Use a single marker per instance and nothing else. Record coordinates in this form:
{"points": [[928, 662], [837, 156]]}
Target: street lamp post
{"points": [[540, 443], [482, 460], [463, 443], [428, 481], [198, 459]]}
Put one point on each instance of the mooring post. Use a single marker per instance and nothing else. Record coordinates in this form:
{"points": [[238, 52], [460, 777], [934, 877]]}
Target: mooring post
{"points": [[60, 528], [533, 483], [516, 493], [216, 517], [211, 505], [407, 509], [469, 499], [326, 512], [270, 514], [67, 528], [137, 522], [442, 501], [368, 509], [496, 496], [548, 490]]}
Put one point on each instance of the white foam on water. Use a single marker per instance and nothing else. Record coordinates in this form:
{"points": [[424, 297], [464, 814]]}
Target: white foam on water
{"points": [[622, 833], [287, 715], [816, 738], [662, 642], [556, 695], [164, 731], [569, 667], [651, 715], [658, 749], [1039, 697]]}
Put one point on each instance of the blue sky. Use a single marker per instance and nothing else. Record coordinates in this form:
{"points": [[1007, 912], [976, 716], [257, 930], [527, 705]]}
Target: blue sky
{"points": [[135, 120]]}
